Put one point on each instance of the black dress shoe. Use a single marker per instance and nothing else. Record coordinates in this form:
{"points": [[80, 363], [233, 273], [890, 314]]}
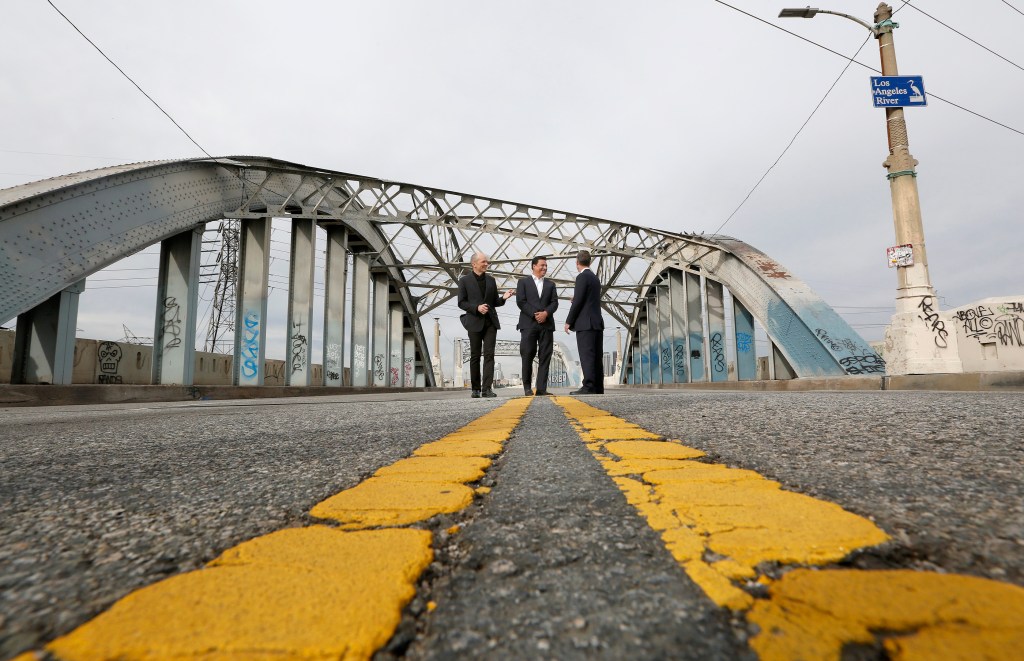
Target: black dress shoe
{"points": [[476, 394], [583, 391], [528, 392], [543, 393], [488, 393]]}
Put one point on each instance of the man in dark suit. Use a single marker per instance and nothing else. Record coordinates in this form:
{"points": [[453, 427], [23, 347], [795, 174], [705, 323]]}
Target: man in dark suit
{"points": [[478, 297], [585, 319], [537, 301]]}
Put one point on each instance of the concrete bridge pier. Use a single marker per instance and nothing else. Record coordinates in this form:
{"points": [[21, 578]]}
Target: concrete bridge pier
{"points": [[44, 344]]}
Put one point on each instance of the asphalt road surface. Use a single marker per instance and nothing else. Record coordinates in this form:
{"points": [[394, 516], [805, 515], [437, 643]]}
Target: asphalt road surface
{"points": [[550, 560]]}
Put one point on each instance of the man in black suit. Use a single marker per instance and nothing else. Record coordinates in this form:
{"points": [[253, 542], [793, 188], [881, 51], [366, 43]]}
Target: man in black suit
{"points": [[478, 296], [537, 301], [585, 319]]}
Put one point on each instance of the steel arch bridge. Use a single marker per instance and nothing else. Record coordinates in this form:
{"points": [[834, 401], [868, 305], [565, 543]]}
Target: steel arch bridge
{"points": [[688, 302]]}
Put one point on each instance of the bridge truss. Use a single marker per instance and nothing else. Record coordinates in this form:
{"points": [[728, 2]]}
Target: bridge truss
{"points": [[399, 249]]}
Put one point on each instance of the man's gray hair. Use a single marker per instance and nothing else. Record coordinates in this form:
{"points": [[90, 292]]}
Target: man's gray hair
{"points": [[583, 257]]}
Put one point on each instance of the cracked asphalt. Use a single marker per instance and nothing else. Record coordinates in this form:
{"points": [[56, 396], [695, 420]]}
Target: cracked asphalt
{"points": [[552, 563]]}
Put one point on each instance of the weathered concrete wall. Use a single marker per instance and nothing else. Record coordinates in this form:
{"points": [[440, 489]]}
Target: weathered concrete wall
{"points": [[990, 334], [120, 363]]}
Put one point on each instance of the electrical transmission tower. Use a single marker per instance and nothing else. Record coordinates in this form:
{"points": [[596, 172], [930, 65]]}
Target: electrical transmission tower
{"points": [[222, 312]]}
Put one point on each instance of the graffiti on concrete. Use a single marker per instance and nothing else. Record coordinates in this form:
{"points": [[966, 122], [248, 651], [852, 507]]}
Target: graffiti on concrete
{"points": [[109, 355], [977, 321], [171, 323], [680, 360], [251, 345], [333, 362], [408, 365], [1010, 330], [359, 359], [379, 369], [827, 340], [869, 364], [394, 377], [930, 316], [1004, 324], [744, 342], [718, 363], [300, 349]]}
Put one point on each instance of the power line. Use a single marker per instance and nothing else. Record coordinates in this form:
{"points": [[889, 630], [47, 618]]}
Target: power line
{"points": [[1011, 7], [100, 51], [795, 136], [964, 36], [868, 67]]}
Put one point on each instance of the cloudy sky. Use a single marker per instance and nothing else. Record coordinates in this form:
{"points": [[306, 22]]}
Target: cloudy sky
{"points": [[665, 114]]}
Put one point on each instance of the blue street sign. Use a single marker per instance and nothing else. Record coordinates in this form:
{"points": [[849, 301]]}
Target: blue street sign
{"points": [[897, 91]]}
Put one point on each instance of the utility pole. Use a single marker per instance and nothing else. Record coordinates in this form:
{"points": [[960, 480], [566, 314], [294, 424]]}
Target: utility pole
{"points": [[917, 341]]}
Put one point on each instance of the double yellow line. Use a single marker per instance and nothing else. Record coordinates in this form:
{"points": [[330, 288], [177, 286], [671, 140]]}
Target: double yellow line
{"points": [[337, 591]]}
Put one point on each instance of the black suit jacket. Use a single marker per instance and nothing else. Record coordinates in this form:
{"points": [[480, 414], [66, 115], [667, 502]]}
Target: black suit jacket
{"points": [[470, 300], [585, 310], [529, 302]]}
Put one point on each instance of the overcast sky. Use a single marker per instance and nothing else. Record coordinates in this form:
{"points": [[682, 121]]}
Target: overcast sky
{"points": [[663, 114]]}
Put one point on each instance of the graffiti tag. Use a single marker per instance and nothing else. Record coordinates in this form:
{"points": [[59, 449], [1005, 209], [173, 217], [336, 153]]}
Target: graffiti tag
{"points": [[251, 345], [869, 364], [717, 352], [931, 317], [172, 322]]}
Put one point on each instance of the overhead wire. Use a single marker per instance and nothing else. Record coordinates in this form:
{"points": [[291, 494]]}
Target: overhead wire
{"points": [[795, 136], [868, 67], [1012, 7], [950, 27], [130, 80]]}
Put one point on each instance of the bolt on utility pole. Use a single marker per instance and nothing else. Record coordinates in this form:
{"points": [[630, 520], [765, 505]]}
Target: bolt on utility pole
{"points": [[917, 341]]}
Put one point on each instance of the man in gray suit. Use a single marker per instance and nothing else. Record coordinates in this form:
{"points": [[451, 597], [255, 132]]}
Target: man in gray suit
{"points": [[478, 297], [537, 301]]}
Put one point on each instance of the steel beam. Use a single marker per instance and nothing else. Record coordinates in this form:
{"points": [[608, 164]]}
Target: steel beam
{"points": [[396, 344], [666, 340], [746, 351], [718, 356], [381, 298], [644, 335], [360, 319], [334, 306], [298, 367], [695, 327], [251, 308], [44, 340], [409, 360], [677, 295], [177, 298]]}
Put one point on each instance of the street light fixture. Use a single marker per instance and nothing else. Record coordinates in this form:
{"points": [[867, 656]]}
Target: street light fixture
{"points": [[917, 341]]}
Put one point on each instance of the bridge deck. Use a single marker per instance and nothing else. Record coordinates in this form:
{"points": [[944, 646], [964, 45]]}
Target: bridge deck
{"points": [[593, 526]]}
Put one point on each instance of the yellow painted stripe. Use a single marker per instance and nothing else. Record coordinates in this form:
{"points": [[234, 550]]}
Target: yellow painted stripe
{"points": [[306, 593], [720, 523], [391, 498]]}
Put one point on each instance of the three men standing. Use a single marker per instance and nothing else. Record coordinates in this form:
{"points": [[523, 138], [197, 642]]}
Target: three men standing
{"points": [[585, 319], [537, 301], [478, 296]]}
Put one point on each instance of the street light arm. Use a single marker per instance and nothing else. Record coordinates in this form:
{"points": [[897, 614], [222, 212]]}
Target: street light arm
{"points": [[811, 13], [869, 26]]}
